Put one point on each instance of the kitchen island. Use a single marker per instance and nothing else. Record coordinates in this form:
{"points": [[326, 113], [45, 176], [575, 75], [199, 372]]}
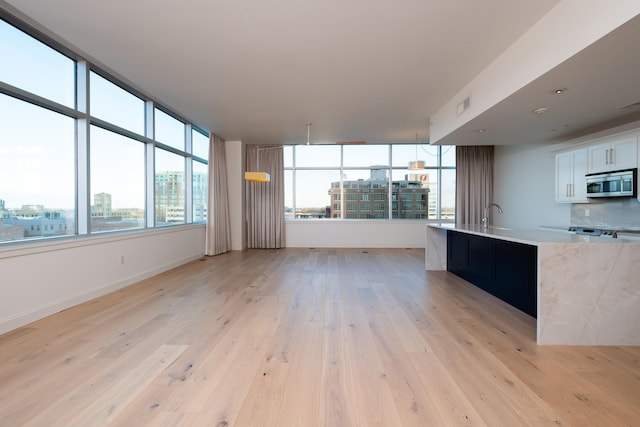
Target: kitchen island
{"points": [[587, 289]]}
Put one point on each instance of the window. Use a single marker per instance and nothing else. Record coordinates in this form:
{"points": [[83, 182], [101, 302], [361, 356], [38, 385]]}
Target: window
{"points": [[63, 172], [117, 181], [421, 178], [113, 104], [365, 156], [317, 156], [200, 144], [200, 191], [169, 188], [37, 171], [168, 130], [33, 66], [314, 193]]}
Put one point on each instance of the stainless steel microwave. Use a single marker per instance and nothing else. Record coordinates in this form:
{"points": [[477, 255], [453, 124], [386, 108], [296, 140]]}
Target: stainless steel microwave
{"points": [[612, 184]]}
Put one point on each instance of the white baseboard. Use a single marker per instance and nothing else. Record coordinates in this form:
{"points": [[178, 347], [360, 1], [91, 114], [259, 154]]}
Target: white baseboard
{"points": [[23, 319]]}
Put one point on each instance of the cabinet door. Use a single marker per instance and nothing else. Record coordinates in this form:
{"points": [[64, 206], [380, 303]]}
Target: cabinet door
{"points": [[599, 158], [457, 251], [614, 155], [564, 177], [482, 262], [624, 153], [516, 272], [579, 186], [571, 184]]}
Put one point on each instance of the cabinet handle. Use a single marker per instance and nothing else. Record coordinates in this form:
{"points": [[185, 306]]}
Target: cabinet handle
{"points": [[609, 156]]}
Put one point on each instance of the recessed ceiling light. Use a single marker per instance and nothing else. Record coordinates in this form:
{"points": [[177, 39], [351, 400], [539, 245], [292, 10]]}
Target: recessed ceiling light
{"points": [[559, 90], [540, 110], [481, 130]]}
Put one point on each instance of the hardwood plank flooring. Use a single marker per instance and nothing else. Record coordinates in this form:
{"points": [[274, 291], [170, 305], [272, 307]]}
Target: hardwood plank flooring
{"points": [[307, 337]]}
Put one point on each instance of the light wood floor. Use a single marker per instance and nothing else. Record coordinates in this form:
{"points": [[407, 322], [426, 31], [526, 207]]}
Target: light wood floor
{"points": [[307, 337]]}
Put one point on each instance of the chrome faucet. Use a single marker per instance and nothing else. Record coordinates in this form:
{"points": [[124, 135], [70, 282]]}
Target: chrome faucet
{"points": [[485, 218]]}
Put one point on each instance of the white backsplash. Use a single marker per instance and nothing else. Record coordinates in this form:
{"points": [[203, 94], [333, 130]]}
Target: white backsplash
{"points": [[602, 213]]}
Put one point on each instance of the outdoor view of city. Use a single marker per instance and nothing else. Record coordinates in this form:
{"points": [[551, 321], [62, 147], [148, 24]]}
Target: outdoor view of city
{"points": [[82, 153], [382, 181], [37, 220], [369, 199]]}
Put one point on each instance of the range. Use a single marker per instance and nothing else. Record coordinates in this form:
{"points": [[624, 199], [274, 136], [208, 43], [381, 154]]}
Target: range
{"points": [[613, 232]]}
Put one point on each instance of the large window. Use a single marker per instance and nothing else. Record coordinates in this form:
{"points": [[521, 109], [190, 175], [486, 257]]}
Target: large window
{"points": [[113, 104], [169, 131], [76, 154], [200, 150], [373, 181], [200, 143], [117, 181], [169, 188], [37, 171], [33, 66]]}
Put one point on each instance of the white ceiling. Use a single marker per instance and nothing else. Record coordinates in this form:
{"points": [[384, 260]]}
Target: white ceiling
{"points": [[258, 71], [602, 91]]}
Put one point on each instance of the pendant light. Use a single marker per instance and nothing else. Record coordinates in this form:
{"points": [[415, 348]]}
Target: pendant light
{"points": [[257, 176]]}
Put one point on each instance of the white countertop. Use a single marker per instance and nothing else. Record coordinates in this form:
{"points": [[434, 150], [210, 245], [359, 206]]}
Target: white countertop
{"points": [[529, 237], [586, 286]]}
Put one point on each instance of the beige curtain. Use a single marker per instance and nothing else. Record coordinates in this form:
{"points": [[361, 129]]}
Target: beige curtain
{"points": [[474, 181], [218, 231], [265, 200]]}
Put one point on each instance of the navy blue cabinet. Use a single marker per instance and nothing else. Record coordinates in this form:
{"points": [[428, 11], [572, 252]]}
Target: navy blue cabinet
{"points": [[507, 270]]}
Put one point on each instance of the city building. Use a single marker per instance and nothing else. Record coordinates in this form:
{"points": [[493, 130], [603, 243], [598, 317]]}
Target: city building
{"points": [[101, 205], [369, 198], [37, 221], [170, 196]]}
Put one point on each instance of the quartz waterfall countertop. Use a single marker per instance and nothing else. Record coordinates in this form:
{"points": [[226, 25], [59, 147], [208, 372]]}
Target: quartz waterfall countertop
{"points": [[529, 237], [588, 291]]}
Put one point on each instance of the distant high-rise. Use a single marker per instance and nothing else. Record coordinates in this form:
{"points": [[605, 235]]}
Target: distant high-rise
{"points": [[170, 196], [200, 196], [101, 205], [369, 198]]}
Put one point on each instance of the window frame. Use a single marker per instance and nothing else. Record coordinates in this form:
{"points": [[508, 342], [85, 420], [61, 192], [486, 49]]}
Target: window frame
{"points": [[391, 190], [81, 114]]}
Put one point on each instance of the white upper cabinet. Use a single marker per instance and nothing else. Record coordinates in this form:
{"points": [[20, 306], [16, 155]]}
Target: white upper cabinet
{"points": [[571, 184], [613, 155]]}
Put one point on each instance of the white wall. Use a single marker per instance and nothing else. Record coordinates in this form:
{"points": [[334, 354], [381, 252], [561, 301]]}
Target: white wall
{"points": [[524, 185], [235, 181], [43, 278], [355, 233]]}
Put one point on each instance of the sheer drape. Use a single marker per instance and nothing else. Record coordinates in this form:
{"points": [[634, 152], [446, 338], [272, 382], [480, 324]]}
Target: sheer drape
{"points": [[265, 200], [218, 232], [474, 181]]}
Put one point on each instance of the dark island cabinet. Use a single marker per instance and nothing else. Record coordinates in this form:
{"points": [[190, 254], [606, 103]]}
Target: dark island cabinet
{"points": [[505, 269]]}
